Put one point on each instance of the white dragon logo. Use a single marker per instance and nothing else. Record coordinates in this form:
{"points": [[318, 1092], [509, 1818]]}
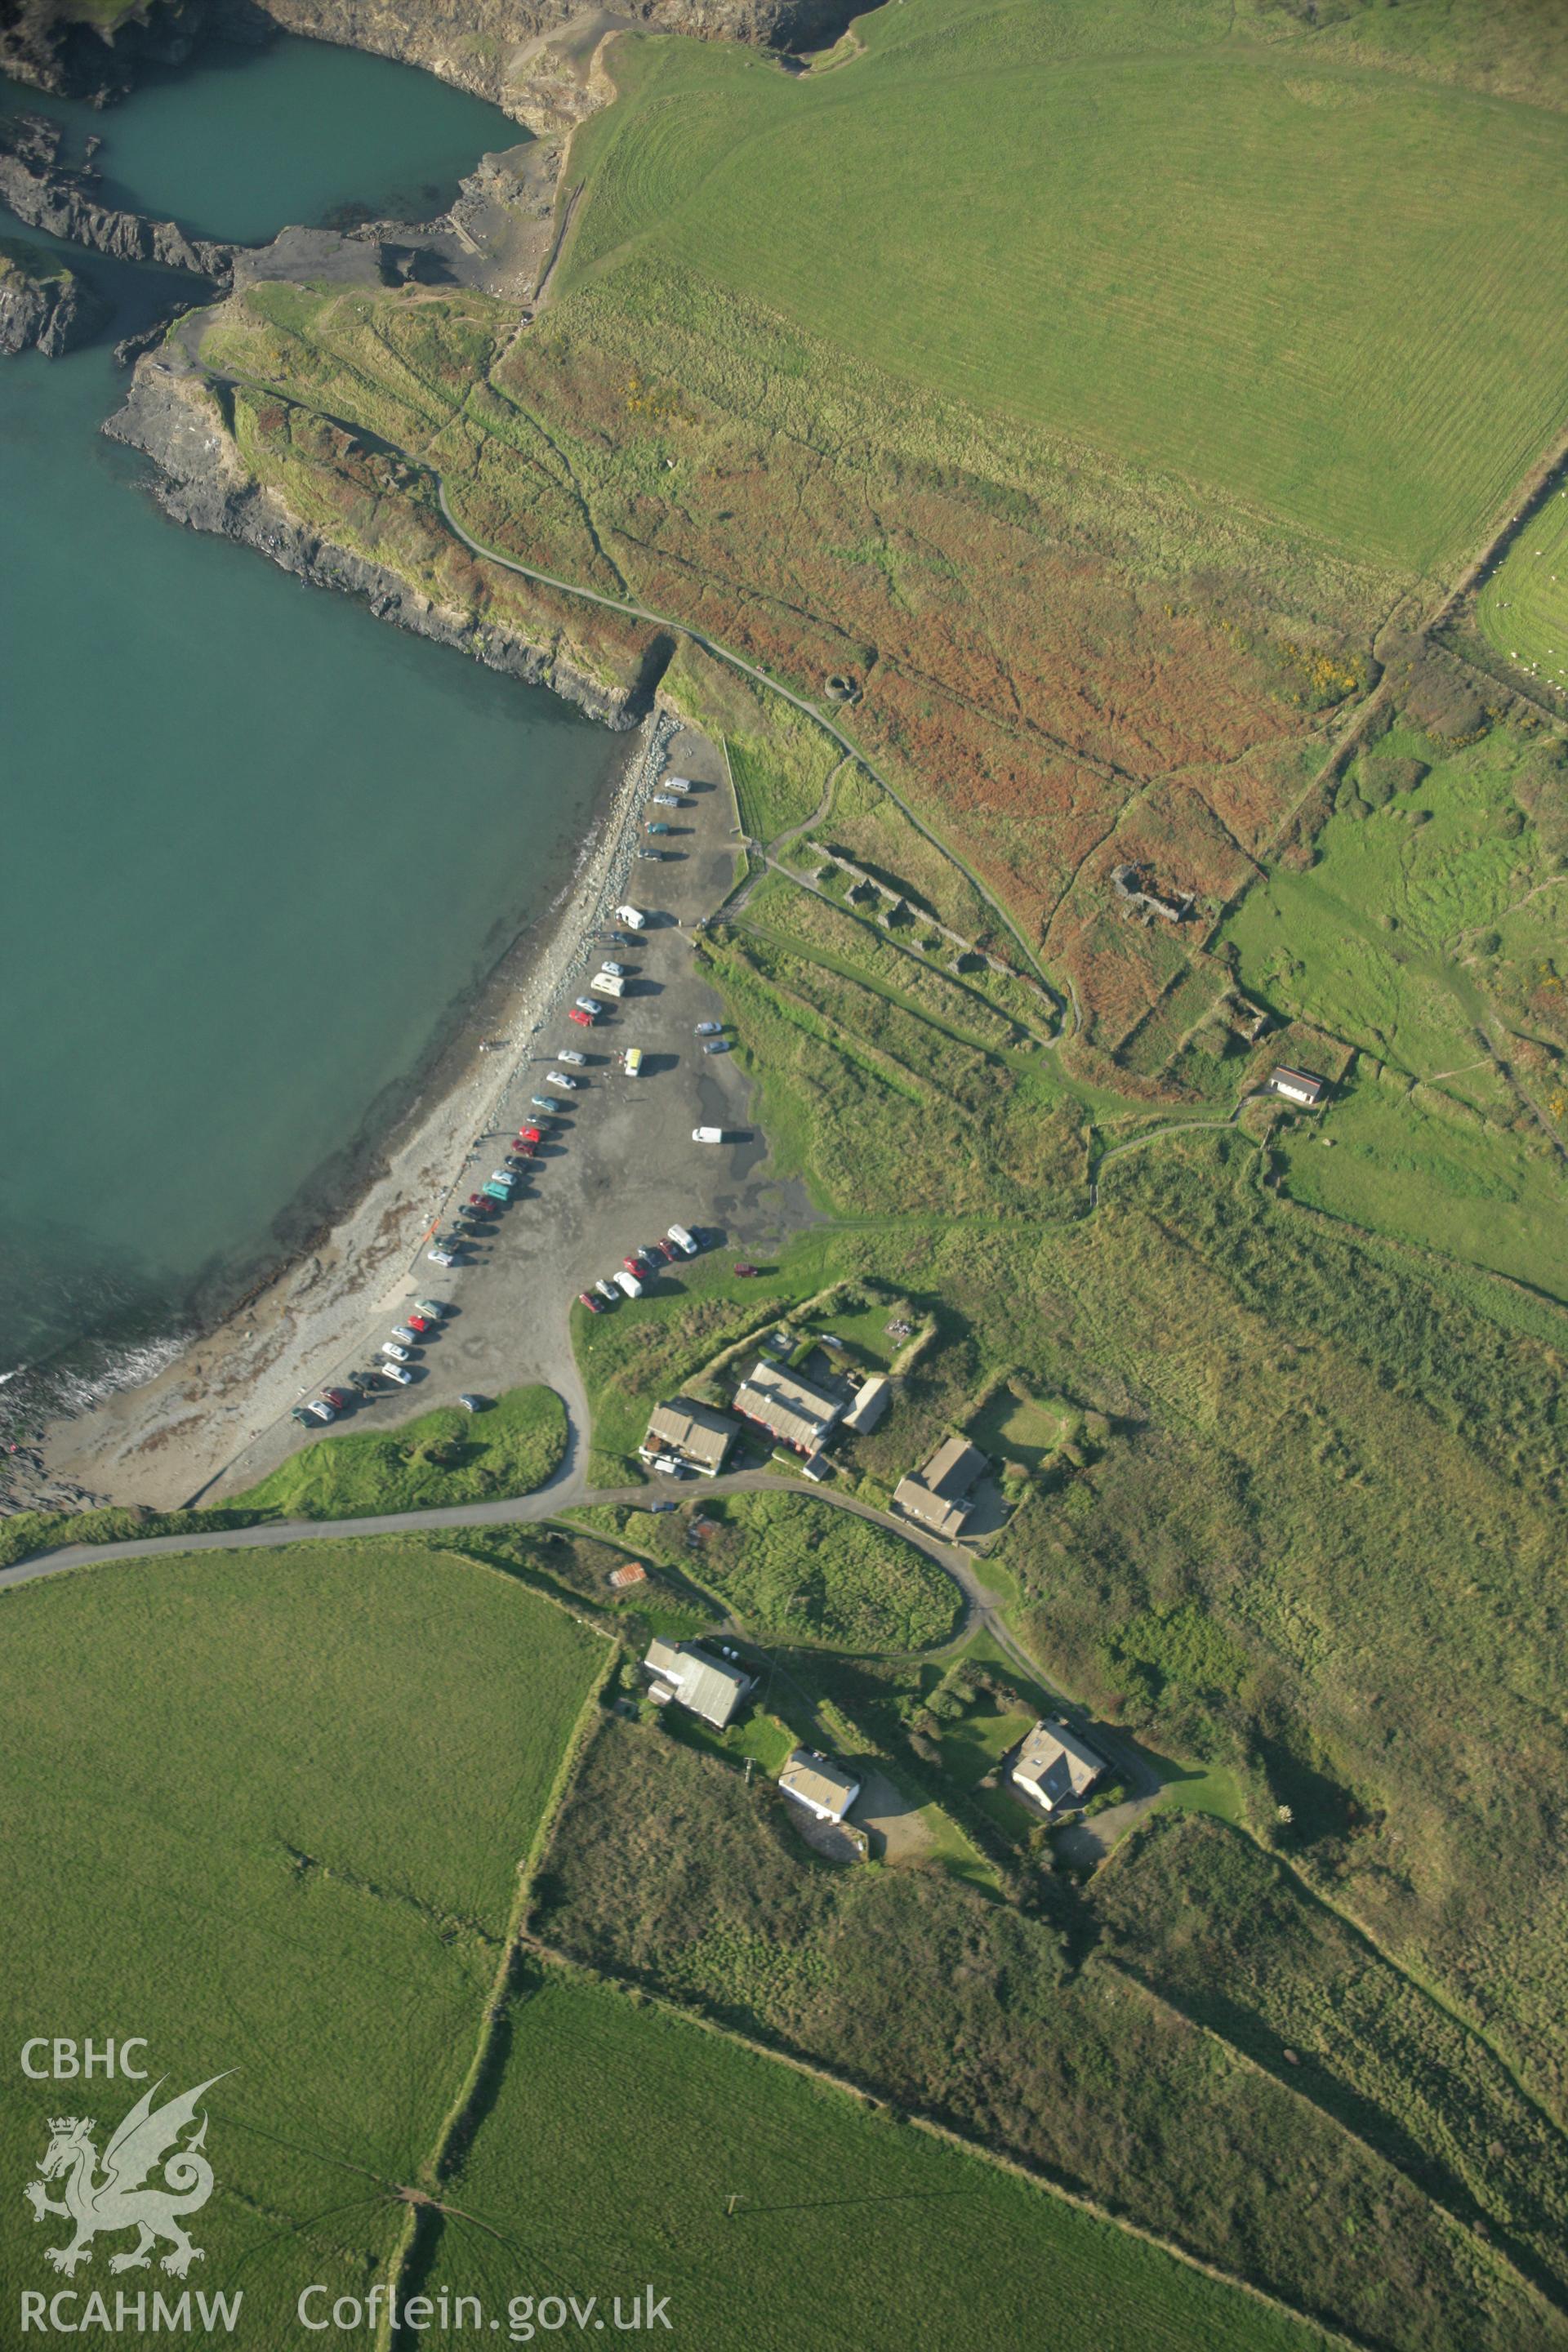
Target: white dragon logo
{"points": [[118, 2200]]}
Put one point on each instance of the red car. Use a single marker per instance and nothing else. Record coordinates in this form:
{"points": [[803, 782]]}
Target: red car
{"points": [[337, 1398], [479, 1207], [583, 1019], [420, 1323], [531, 1135], [745, 1269], [667, 1251], [637, 1266], [586, 1299]]}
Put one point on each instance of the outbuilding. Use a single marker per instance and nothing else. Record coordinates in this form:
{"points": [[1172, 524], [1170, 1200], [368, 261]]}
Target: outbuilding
{"points": [[815, 1781], [871, 1401], [1297, 1086]]}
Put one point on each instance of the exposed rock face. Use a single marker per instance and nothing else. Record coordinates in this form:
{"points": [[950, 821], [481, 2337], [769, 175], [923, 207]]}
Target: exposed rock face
{"points": [[63, 202], [530, 56], [203, 482], [42, 306]]}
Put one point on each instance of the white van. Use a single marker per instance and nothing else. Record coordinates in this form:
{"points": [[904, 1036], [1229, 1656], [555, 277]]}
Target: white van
{"points": [[682, 1239], [629, 1284], [604, 984], [633, 920], [707, 1135]]}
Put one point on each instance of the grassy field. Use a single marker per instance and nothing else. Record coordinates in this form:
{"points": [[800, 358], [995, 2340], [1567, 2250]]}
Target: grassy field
{"points": [[1416, 936], [1222, 1931], [1521, 608], [792, 1566], [1141, 223], [445, 1457], [815, 2221], [254, 1811], [1071, 2067]]}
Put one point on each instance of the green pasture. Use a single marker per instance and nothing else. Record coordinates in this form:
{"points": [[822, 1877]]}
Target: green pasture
{"points": [[1521, 608], [267, 1810], [448, 1455], [1322, 288], [627, 2146]]}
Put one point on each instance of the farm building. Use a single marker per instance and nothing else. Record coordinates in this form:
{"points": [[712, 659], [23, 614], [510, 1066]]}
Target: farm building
{"points": [[695, 1434], [813, 1780], [938, 1495], [793, 1410], [1054, 1767], [1297, 1086], [685, 1676], [872, 1399]]}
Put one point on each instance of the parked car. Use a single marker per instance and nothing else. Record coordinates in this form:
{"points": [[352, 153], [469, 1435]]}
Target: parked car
{"points": [[569, 1054], [607, 1290], [715, 1044], [472, 1403], [709, 1028], [630, 1285], [403, 1335], [499, 1193], [400, 1374], [441, 1255], [633, 918], [586, 1299], [435, 1307], [657, 826], [682, 1239], [634, 1265], [616, 971], [506, 1177], [559, 1079], [583, 1019], [479, 1206], [419, 1324], [665, 799], [707, 1135], [337, 1399], [744, 1270], [667, 1250], [395, 1351], [631, 1061], [531, 1135], [655, 854], [300, 1413], [542, 1102], [520, 1155], [590, 1005], [668, 1464], [656, 1507]]}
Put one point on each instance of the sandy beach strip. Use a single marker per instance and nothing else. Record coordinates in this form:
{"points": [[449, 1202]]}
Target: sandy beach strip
{"points": [[164, 1442]]}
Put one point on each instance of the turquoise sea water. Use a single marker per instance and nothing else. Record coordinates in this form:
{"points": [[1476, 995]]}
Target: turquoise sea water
{"points": [[256, 848]]}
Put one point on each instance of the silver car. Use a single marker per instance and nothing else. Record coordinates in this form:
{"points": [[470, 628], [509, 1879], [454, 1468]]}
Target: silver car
{"points": [[578, 1061], [559, 1079]]}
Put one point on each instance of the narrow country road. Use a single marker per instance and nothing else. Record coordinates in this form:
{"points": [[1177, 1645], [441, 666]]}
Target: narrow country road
{"points": [[569, 1489]]}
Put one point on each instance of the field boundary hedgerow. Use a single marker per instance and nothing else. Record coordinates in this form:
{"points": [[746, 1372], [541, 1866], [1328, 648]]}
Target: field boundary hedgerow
{"points": [[687, 2013], [463, 2116]]}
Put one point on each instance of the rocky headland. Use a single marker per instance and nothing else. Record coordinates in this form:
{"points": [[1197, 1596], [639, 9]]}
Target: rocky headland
{"points": [[40, 192], [201, 480], [43, 305]]}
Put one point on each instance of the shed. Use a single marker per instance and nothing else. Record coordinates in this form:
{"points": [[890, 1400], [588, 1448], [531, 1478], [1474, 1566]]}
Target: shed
{"points": [[815, 1781], [1297, 1086], [872, 1399], [1055, 1767]]}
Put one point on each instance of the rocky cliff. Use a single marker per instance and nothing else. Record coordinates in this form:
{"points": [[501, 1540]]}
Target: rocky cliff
{"points": [[65, 204], [43, 305], [529, 57], [201, 481]]}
